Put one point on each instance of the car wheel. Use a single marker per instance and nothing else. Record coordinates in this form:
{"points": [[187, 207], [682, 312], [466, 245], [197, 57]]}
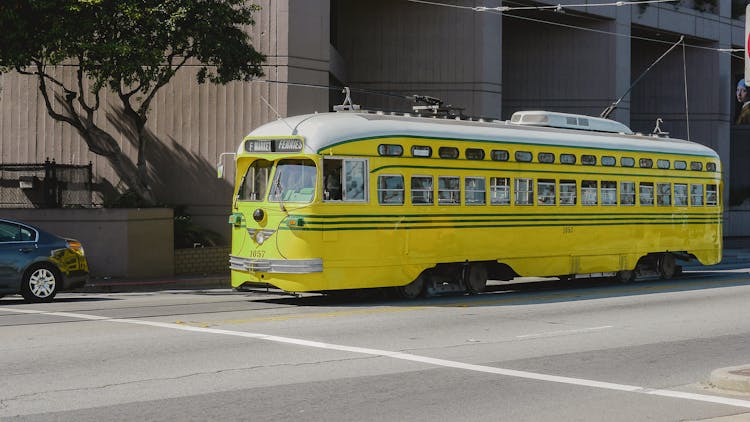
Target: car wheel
{"points": [[40, 283]]}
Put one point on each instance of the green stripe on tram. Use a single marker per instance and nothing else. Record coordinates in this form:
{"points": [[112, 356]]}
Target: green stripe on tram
{"points": [[483, 226], [503, 142]]}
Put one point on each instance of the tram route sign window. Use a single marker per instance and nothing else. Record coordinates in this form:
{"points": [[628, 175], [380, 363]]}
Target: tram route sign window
{"points": [[680, 165], [608, 161], [499, 155], [568, 158], [474, 154], [588, 160], [273, 145], [627, 162]]}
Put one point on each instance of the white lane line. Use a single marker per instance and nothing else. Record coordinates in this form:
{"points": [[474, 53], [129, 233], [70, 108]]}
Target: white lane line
{"points": [[408, 357], [563, 332]]}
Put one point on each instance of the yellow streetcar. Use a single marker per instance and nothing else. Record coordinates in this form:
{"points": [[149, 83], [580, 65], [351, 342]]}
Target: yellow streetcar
{"points": [[355, 199]]}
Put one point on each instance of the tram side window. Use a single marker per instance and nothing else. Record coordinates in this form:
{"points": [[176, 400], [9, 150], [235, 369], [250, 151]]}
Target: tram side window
{"points": [[680, 194], [476, 191], [255, 182], [696, 195], [663, 194], [646, 194], [500, 190], [391, 189], [567, 158], [524, 192], [627, 193], [567, 192], [609, 192], [421, 190], [588, 192], [449, 190], [546, 189], [344, 179], [711, 197]]}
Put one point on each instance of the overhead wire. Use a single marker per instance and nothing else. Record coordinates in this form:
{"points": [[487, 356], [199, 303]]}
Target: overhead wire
{"points": [[560, 7]]}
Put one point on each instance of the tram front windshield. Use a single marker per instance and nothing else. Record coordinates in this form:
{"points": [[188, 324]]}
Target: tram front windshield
{"points": [[294, 181]]}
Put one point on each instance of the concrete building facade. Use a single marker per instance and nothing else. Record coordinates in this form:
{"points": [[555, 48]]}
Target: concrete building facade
{"points": [[576, 60]]}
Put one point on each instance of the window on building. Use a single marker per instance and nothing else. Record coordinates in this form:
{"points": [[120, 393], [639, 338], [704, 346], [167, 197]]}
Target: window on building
{"points": [[449, 190], [568, 192], [711, 195], [524, 192], [680, 194], [589, 192], [627, 193], [663, 194], [391, 189], [421, 190], [476, 191], [546, 189], [696, 195], [646, 194], [499, 190], [609, 192]]}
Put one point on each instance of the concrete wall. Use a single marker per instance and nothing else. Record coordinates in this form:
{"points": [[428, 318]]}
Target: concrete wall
{"points": [[405, 48], [118, 242], [214, 260]]}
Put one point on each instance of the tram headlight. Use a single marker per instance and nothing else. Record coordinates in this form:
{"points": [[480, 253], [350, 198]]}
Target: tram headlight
{"points": [[259, 215]]}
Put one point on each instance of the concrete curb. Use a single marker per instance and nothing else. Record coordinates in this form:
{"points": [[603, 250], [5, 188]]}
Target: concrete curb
{"points": [[734, 378], [212, 281]]}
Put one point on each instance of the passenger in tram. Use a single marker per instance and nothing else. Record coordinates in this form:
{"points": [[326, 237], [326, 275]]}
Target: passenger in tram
{"points": [[333, 185]]}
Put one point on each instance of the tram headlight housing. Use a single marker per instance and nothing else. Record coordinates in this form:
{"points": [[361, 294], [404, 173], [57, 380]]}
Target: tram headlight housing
{"points": [[259, 215]]}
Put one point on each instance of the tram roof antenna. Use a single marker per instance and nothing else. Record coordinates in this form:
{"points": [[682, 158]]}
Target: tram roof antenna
{"points": [[434, 107], [347, 104], [607, 111]]}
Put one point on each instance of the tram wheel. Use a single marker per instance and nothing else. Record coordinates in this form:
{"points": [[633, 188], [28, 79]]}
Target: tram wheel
{"points": [[476, 279], [667, 266], [412, 290], [625, 276]]}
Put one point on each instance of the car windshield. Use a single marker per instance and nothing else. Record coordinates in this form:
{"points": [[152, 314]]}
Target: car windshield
{"points": [[294, 181]]}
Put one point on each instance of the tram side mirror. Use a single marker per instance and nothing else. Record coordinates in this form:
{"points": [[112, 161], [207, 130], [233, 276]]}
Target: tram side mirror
{"points": [[220, 164]]}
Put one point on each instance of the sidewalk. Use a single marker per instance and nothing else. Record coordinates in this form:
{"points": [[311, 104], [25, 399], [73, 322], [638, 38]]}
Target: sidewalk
{"points": [[184, 282]]}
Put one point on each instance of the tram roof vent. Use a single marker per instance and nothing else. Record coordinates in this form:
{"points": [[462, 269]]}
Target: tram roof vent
{"points": [[568, 121]]}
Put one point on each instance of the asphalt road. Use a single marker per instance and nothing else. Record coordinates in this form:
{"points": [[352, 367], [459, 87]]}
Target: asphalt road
{"points": [[535, 351]]}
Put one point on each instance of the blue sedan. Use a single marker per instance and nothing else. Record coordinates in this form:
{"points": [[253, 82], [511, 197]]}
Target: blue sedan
{"points": [[37, 264]]}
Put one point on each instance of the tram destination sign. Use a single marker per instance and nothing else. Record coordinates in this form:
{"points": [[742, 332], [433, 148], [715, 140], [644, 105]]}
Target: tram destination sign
{"points": [[273, 145]]}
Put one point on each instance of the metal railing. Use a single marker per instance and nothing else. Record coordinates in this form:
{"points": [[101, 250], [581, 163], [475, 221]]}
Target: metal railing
{"points": [[45, 185]]}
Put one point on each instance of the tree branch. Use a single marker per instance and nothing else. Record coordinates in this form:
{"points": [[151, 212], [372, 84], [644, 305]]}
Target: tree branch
{"points": [[81, 92], [50, 109], [165, 77]]}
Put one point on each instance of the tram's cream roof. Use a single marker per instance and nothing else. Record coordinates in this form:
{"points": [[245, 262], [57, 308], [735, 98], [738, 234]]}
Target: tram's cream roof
{"points": [[321, 130]]}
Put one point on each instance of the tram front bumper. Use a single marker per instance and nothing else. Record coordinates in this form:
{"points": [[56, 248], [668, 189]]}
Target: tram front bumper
{"points": [[287, 266]]}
